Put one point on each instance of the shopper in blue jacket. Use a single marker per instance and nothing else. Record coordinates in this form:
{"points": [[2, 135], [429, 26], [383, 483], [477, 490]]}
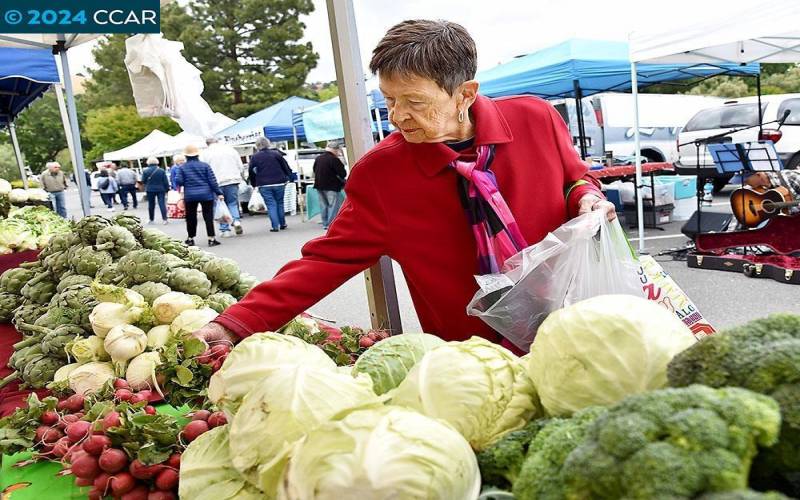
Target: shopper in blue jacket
{"points": [[270, 173], [199, 188], [156, 186]]}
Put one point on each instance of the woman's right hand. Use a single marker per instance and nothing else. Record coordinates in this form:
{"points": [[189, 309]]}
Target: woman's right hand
{"points": [[214, 333]]}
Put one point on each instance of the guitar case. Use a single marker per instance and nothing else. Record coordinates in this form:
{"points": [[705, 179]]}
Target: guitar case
{"points": [[718, 251]]}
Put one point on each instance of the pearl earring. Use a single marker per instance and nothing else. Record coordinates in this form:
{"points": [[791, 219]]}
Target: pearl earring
{"points": [[461, 116]]}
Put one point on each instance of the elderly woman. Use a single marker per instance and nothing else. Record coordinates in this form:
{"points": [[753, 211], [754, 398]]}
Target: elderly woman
{"points": [[156, 185], [464, 183]]}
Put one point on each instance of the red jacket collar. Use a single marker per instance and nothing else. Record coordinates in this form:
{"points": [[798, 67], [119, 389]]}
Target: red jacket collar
{"points": [[490, 128]]}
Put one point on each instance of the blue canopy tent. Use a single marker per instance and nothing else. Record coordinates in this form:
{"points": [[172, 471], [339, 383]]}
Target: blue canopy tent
{"points": [[25, 74], [275, 122], [324, 121]]}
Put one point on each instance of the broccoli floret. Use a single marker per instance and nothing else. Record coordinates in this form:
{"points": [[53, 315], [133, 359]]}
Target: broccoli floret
{"points": [[763, 356], [500, 463], [540, 476]]}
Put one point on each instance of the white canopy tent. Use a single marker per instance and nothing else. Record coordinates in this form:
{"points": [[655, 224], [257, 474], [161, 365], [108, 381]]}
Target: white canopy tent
{"points": [[149, 145], [764, 32], [177, 144]]}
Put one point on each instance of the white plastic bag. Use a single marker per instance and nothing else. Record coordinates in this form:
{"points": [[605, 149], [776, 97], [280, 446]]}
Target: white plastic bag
{"points": [[256, 204], [222, 214], [585, 257]]}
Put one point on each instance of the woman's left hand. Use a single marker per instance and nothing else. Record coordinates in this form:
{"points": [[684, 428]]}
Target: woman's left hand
{"points": [[591, 202]]}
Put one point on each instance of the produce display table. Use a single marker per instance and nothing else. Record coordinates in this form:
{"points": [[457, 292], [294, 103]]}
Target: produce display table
{"points": [[40, 480], [621, 171]]}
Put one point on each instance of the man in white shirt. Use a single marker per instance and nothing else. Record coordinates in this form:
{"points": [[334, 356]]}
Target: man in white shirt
{"points": [[226, 164]]}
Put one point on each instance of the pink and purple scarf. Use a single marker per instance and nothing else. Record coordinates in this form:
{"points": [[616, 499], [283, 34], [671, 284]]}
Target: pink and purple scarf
{"points": [[497, 234]]}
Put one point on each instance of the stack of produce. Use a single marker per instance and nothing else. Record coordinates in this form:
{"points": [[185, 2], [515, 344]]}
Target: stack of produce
{"points": [[14, 194], [80, 321], [30, 228]]}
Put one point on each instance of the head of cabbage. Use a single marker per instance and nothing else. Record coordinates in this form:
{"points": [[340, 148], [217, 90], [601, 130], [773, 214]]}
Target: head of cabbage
{"points": [[478, 387], [601, 350], [382, 453], [388, 361], [253, 359], [279, 410]]}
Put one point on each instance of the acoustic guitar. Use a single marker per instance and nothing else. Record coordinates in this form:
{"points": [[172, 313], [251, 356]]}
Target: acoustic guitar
{"points": [[751, 208]]}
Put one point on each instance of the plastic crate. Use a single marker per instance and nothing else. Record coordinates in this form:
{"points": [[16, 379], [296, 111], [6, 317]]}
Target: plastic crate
{"points": [[660, 215], [685, 186]]}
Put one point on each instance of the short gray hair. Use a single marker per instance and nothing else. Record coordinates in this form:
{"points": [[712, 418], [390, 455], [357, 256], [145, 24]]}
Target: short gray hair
{"points": [[442, 51], [152, 161], [52, 164], [210, 140], [262, 143], [178, 158], [335, 145]]}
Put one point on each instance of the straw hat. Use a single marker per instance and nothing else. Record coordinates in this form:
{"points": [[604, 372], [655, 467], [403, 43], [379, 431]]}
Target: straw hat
{"points": [[191, 150]]}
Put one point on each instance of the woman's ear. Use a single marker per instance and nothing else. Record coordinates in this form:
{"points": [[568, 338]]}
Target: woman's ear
{"points": [[469, 92]]}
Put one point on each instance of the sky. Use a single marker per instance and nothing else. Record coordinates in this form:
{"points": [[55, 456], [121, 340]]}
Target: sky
{"points": [[502, 29]]}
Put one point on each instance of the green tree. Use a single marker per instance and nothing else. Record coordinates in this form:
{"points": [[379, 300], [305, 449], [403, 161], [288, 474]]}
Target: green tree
{"points": [[249, 51], [327, 91], [116, 127], [9, 169], [40, 132]]}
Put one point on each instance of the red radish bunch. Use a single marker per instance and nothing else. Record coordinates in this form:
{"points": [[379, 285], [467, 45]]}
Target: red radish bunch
{"points": [[215, 356]]}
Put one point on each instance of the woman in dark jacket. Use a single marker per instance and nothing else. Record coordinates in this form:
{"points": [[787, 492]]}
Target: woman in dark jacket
{"points": [[199, 188], [156, 186], [269, 172]]}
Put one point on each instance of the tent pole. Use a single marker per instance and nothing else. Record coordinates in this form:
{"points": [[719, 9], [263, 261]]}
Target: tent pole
{"points": [[379, 122], [381, 291], [80, 172], [760, 111], [12, 130], [62, 108], [638, 154], [579, 111]]}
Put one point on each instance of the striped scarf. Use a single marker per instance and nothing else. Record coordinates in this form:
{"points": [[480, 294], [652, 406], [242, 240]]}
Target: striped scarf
{"points": [[497, 235]]}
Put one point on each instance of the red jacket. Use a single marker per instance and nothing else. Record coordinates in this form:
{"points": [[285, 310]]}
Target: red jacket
{"points": [[402, 201]]}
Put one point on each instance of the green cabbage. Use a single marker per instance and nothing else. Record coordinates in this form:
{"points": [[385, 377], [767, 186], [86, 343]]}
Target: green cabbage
{"points": [[253, 359], [285, 405], [385, 453], [206, 471], [600, 350], [388, 361], [476, 386]]}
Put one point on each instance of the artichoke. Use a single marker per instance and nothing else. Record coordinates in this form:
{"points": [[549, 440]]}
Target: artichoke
{"points": [[246, 283], [220, 301], [110, 275], [173, 261], [117, 240], [54, 340], [40, 289], [28, 313], [190, 281], [88, 261], [9, 302], [39, 371], [73, 280], [57, 316], [199, 258], [57, 263], [141, 266], [223, 272], [151, 290], [154, 239], [59, 243], [13, 280], [130, 222], [88, 227]]}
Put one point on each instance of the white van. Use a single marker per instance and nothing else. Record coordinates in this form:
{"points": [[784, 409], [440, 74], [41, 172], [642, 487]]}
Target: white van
{"points": [[737, 113], [608, 122]]}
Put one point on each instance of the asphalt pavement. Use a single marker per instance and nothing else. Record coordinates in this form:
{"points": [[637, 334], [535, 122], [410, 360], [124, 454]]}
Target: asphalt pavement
{"points": [[724, 298]]}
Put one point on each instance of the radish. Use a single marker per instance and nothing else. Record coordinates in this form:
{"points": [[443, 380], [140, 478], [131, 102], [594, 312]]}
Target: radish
{"points": [[216, 419], [46, 449], [79, 414], [161, 495], [216, 365], [137, 398], [96, 444], [220, 350], [51, 435], [123, 394], [74, 453], [121, 383], [74, 403], [122, 483], [61, 405], [142, 471], [40, 432], [366, 342], [69, 418], [85, 466], [174, 461], [150, 410], [49, 418], [201, 415], [111, 420], [193, 429], [147, 394], [167, 480], [138, 493], [95, 494], [78, 430], [80, 481], [113, 460], [61, 447]]}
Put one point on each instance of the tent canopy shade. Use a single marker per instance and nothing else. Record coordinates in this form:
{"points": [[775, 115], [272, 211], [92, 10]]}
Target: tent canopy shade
{"points": [[760, 32], [274, 121], [25, 74], [592, 65], [323, 121], [147, 146]]}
